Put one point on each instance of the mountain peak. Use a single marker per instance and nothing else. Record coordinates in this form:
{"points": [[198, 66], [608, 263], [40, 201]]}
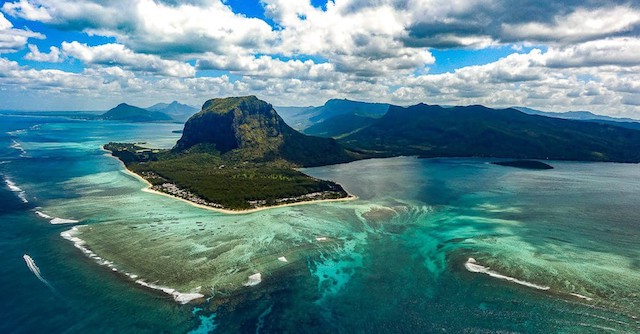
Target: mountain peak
{"points": [[250, 129], [228, 104], [127, 112]]}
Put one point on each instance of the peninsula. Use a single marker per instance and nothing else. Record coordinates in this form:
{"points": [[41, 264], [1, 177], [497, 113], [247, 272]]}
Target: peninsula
{"points": [[237, 154]]}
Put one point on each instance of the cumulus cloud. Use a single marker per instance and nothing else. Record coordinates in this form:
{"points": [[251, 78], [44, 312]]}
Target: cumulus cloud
{"points": [[579, 25], [54, 55], [151, 26], [11, 39], [118, 54], [27, 10], [585, 56], [615, 52], [266, 66]]}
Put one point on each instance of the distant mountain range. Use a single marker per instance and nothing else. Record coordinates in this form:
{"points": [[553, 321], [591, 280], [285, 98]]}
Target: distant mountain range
{"points": [[178, 111], [161, 112], [477, 131], [129, 113], [585, 116], [301, 118], [339, 118]]}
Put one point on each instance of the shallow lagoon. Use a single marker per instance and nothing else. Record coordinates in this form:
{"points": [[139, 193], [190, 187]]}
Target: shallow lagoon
{"points": [[391, 261]]}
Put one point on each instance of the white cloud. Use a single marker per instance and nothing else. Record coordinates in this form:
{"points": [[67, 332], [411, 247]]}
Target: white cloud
{"points": [[27, 10], [615, 51], [266, 66], [118, 54], [365, 50], [579, 25], [54, 55], [11, 39], [152, 26]]}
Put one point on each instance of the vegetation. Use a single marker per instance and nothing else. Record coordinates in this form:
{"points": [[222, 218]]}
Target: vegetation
{"points": [[237, 153], [434, 131], [223, 182], [125, 112]]}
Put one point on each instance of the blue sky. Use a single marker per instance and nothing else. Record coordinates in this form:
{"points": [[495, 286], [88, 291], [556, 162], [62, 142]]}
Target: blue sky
{"points": [[92, 55]]}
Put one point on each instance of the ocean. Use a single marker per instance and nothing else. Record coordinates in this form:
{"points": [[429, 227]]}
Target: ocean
{"points": [[430, 245]]}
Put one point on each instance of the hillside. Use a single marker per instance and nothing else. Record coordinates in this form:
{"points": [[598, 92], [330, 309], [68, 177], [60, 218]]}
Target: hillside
{"points": [[178, 111], [129, 113], [434, 131]]}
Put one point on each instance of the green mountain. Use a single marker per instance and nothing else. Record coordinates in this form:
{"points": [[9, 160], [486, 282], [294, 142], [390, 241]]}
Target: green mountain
{"points": [[178, 111], [246, 128], [339, 126], [434, 131], [302, 118], [129, 113]]}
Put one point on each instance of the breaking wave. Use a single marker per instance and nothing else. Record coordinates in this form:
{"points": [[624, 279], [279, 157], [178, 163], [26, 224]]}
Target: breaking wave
{"points": [[473, 266]]}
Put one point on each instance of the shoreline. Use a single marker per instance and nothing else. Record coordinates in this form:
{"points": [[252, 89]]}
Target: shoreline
{"points": [[148, 189]]}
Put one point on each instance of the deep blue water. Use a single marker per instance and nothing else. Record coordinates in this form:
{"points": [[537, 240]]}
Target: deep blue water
{"points": [[575, 229]]}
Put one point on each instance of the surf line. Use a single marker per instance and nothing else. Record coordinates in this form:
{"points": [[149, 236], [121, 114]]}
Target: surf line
{"points": [[14, 188], [473, 266]]}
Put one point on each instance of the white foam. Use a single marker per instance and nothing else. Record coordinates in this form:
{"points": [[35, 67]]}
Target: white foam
{"points": [[15, 145], [581, 296], [473, 266], [179, 297], [56, 221], [254, 279], [43, 215], [282, 259], [13, 187]]}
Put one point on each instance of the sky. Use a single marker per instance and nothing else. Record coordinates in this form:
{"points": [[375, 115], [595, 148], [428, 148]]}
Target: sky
{"points": [[548, 55]]}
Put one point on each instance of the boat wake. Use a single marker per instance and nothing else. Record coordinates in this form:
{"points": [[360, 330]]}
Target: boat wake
{"points": [[473, 266], [31, 264]]}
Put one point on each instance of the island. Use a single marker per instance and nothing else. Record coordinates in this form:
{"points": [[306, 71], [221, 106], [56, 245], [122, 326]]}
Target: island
{"points": [[237, 154], [129, 113], [525, 164]]}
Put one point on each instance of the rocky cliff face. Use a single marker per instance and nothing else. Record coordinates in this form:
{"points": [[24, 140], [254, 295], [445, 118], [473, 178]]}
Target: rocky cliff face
{"points": [[252, 129]]}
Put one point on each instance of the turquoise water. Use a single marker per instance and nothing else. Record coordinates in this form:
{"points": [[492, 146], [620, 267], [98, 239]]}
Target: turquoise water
{"points": [[554, 251]]}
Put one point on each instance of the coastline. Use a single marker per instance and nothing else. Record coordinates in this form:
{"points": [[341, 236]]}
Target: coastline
{"points": [[148, 189]]}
